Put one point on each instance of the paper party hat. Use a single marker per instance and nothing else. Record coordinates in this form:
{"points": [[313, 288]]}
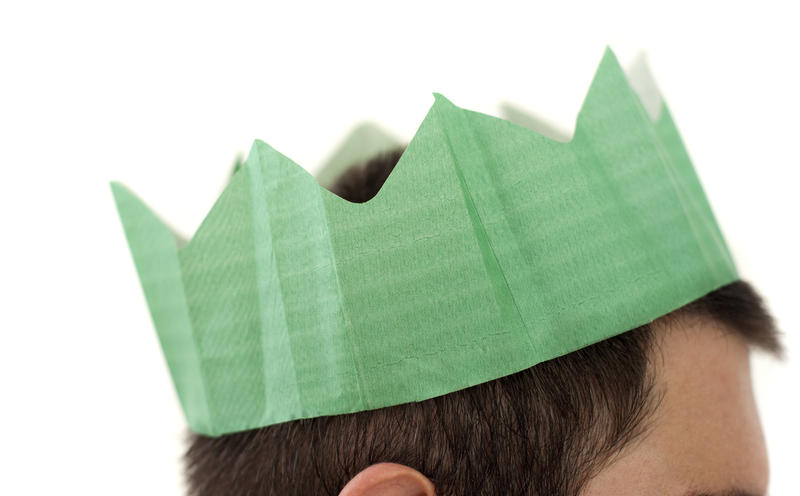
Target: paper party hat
{"points": [[489, 249]]}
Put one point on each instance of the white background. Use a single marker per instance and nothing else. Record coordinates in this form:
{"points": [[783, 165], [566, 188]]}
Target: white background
{"points": [[164, 95]]}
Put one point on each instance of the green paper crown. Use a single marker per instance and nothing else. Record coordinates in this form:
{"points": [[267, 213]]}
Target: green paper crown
{"points": [[489, 249]]}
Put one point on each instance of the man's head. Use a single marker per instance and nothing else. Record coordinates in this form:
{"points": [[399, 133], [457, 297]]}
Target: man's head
{"points": [[666, 408]]}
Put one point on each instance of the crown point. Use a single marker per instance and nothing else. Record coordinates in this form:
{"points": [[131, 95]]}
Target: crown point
{"points": [[439, 98], [257, 147], [117, 187], [609, 57], [259, 153], [123, 196]]}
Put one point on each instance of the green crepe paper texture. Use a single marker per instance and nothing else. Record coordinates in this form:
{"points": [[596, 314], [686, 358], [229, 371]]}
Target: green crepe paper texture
{"points": [[489, 249]]}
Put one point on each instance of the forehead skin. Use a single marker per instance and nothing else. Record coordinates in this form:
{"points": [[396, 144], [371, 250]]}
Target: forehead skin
{"points": [[705, 437]]}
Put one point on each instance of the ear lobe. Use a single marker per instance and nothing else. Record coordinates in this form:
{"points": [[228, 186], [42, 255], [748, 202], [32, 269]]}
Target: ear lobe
{"points": [[389, 479]]}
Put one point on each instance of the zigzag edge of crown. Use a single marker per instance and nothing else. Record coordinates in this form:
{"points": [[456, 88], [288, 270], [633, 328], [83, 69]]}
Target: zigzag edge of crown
{"points": [[440, 101]]}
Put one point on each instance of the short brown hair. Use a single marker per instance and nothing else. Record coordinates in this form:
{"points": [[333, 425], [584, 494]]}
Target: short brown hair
{"points": [[542, 431]]}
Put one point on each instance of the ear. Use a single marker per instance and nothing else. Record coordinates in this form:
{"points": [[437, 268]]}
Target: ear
{"points": [[389, 479]]}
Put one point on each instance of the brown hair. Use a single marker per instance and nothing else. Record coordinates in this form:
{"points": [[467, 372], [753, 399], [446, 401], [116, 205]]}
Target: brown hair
{"points": [[543, 431]]}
